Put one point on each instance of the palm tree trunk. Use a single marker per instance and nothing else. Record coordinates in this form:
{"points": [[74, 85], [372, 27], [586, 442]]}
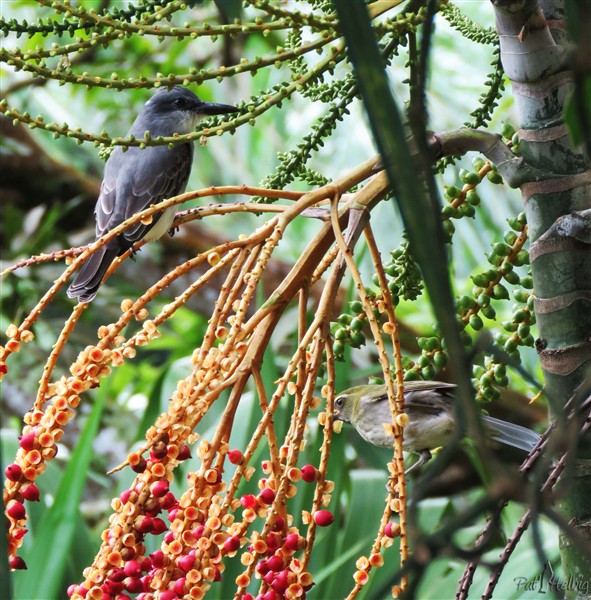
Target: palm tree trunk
{"points": [[558, 208]]}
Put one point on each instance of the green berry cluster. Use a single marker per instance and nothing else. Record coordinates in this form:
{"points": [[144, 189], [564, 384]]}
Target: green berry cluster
{"points": [[511, 137], [492, 375], [83, 22], [488, 378], [504, 257], [495, 86], [491, 285], [297, 66], [347, 330], [467, 27], [338, 95], [405, 278], [292, 163], [432, 360], [518, 328], [462, 201]]}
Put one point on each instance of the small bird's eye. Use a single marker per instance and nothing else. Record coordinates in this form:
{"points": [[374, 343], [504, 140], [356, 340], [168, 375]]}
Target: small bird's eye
{"points": [[339, 402], [181, 102]]}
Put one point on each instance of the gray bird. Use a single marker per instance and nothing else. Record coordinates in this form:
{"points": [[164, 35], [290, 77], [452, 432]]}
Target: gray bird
{"points": [[136, 179]]}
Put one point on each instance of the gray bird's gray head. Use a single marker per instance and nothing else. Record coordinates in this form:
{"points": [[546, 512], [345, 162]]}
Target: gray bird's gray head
{"points": [[175, 111]]}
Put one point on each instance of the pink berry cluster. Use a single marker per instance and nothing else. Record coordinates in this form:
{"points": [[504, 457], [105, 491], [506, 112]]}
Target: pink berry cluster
{"points": [[200, 528], [44, 427], [53, 409]]}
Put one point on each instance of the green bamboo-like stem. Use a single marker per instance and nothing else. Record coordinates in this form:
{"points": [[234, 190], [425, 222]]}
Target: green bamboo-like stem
{"points": [[533, 55]]}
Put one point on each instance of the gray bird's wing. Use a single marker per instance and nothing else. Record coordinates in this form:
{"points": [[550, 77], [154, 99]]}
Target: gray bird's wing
{"points": [[136, 179], [432, 396], [428, 396]]}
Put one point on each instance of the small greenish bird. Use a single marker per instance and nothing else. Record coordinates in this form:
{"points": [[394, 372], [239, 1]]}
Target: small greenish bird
{"points": [[429, 407]]}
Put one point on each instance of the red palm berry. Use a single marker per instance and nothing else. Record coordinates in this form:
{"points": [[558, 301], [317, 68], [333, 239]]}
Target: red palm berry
{"points": [[124, 496], [31, 493], [291, 541], [17, 511], [117, 575], [392, 529], [168, 501], [280, 583], [147, 583], [198, 531], [275, 563], [279, 523], [169, 537], [157, 558], [146, 525], [112, 587], [158, 451], [13, 472], [232, 544], [27, 442], [269, 577], [133, 568], [273, 540], [186, 562], [158, 526], [248, 501], [133, 584], [267, 496], [179, 586], [168, 595], [235, 457], [19, 534], [140, 466], [17, 563], [323, 518], [309, 473], [184, 453], [159, 489]]}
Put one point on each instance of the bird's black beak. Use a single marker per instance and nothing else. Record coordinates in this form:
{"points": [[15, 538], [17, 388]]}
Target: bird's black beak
{"points": [[212, 108]]}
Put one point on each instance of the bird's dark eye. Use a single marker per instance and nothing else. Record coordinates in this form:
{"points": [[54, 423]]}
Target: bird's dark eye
{"points": [[339, 402], [181, 103]]}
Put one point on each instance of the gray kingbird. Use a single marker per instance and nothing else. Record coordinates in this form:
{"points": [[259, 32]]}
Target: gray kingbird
{"points": [[138, 178]]}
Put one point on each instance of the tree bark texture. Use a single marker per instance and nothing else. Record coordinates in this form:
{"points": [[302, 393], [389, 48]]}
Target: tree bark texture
{"points": [[557, 198]]}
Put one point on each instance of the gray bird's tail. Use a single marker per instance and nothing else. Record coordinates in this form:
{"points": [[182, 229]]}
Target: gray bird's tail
{"points": [[89, 277], [511, 434]]}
